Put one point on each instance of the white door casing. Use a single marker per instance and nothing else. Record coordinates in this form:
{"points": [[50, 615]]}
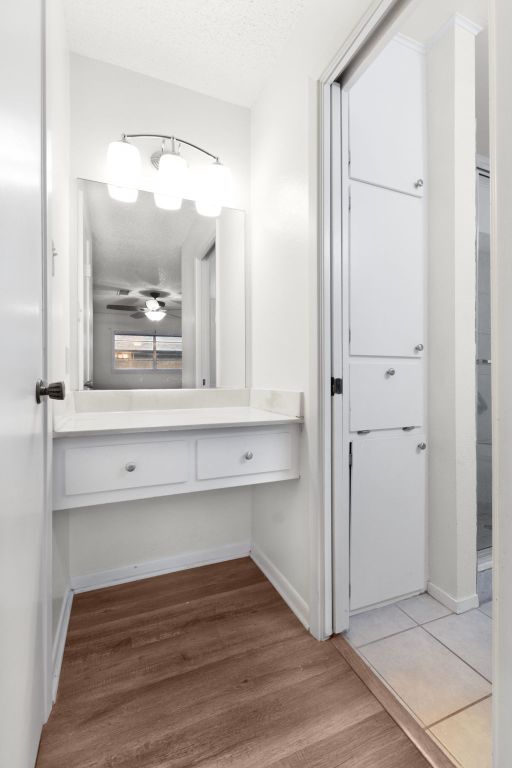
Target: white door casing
{"points": [[23, 647]]}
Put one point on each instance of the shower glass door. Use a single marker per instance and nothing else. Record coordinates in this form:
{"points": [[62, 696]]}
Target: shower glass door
{"points": [[483, 366]]}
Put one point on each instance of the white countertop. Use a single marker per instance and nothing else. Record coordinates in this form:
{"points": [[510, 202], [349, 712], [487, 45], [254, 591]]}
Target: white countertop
{"points": [[119, 422]]}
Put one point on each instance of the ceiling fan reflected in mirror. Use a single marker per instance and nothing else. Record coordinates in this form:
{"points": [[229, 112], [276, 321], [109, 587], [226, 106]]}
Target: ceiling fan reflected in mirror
{"points": [[154, 308]]}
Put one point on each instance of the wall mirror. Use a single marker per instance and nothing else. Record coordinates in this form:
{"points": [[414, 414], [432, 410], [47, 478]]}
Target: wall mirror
{"points": [[161, 293]]}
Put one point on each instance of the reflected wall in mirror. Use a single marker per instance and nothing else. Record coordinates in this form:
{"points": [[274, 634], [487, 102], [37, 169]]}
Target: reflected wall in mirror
{"points": [[162, 294]]}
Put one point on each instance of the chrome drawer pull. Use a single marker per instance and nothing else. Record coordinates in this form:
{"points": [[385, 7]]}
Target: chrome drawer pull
{"points": [[130, 467], [248, 456], [390, 372], [422, 446], [418, 348]]}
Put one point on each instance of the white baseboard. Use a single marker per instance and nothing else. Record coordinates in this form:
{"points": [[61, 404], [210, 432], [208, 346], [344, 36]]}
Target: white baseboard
{"points": [[159, 567], [289, 594], [460, 605], [60, 640]]}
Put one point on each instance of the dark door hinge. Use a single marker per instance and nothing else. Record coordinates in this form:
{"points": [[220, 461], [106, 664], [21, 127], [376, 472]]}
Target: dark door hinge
{"points": [[336, 386]]}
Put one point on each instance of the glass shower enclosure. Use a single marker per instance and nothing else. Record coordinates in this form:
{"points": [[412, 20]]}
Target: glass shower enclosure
{"points": [[483, 366]]}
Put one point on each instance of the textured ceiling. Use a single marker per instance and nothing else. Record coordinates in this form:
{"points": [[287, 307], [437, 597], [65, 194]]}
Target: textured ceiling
{"points": [[138, 246], [222, 48]]}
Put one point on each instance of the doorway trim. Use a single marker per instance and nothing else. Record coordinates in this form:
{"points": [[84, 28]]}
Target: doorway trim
{"points": [[380, 15]]}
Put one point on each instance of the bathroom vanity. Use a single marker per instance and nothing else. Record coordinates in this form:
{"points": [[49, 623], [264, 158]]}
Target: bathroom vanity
{"points": [[120, 445], [161, 405]]}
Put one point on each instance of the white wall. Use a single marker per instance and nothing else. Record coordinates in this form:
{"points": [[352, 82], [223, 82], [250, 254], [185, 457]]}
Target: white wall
{"points": [[452, 316], [284, 287], [501, 323], [105, 102], [61, 579], [112, 536]]}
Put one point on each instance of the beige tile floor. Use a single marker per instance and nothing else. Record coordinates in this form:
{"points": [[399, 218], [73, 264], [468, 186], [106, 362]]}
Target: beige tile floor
{"points": [[439, 665]]}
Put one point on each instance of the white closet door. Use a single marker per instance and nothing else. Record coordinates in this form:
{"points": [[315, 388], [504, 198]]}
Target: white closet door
{"points": [[385, 394], [386, 127], [386, 272], [387, 529]]}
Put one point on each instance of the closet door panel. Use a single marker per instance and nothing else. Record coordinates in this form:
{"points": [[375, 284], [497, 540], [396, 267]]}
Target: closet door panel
{"points": [[385, 394], [386, 120], [387, 555], [386, 273]]}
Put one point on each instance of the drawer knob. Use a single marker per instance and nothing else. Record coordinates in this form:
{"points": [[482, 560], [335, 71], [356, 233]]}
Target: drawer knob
{"points": [[130, 467], [418, 348], [418, 183], [422, 446], [390, 372], [248, 456]]}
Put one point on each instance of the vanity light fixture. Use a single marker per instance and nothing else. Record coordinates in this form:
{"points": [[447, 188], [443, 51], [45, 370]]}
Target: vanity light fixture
{"points": [[123, 167]]}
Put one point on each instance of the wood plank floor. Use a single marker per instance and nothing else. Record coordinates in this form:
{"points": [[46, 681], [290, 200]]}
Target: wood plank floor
{"points": [[209, 667]]}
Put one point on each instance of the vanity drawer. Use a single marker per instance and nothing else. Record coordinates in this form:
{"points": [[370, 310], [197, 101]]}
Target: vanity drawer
{"points": [[115, 467], [243, 455], [386, 395]]}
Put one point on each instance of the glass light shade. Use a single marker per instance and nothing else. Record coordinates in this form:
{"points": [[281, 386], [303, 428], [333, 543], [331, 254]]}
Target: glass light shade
{"points": [[172, 175], [123, 164], [155, 315], [124, 194], [206, 208], [168, 203], [214, 186], [152, 304]]}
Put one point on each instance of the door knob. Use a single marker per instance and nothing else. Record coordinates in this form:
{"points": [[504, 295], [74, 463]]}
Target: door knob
{"points": [[390, 372], [55, 391], [422, 446]]}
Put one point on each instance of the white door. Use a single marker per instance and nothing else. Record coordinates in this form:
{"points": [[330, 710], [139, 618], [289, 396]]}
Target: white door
{"points": [[386, 272], [387, 521], [22, 432], [386, 120], [385, 394]]}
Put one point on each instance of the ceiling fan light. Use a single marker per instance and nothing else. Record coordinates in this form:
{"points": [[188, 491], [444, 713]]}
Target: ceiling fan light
{"points": [[155, 315], [123, 167], [152, 304], [123, 194], [168, 203]]}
